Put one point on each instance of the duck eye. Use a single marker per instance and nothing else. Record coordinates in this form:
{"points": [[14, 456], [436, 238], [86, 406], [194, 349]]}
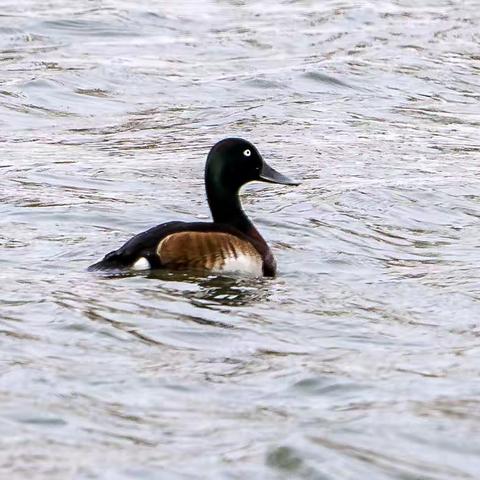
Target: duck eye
{"points": [[247, 152]]}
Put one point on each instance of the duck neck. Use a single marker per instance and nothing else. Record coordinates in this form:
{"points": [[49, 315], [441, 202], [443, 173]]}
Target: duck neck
{"points": [[226, 208]]}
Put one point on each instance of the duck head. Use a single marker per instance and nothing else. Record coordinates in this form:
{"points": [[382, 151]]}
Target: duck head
{"points": [[233, 162]]}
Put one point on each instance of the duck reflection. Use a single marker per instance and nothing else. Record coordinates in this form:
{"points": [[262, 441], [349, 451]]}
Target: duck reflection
{"points": [[212, 297], [215, 290]]}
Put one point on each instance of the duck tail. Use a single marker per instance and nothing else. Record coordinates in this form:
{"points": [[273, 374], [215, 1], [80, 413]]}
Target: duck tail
{"points": [[111, 261]]}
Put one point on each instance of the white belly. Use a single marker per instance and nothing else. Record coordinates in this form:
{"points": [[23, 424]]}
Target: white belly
{"points": [[246, 264]]}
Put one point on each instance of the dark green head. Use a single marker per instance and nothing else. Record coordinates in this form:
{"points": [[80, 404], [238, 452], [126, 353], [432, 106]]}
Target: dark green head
{"points": [[233, 162]]}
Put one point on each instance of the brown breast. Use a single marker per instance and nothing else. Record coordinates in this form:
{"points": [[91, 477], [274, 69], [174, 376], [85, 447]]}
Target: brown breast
{"points": [[217, 251]]}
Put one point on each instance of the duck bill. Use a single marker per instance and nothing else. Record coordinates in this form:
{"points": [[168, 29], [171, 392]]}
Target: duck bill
{"points": [[268, 174]]}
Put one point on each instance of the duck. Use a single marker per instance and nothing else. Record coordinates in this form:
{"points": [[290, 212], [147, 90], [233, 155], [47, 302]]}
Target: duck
{"points": [[229, 244]]}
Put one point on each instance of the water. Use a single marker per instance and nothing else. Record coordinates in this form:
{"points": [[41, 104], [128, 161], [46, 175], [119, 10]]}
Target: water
{"points": [[360, 360]]}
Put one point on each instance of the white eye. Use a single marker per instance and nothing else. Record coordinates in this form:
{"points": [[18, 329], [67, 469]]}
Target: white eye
{"points": [[247, 152]]}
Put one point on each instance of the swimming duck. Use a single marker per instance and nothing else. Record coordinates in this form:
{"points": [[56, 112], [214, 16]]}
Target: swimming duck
{"points": [[229, 244]]}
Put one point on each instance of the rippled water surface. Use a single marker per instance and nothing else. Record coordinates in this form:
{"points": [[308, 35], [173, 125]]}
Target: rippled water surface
{"points": [[361, 360]]}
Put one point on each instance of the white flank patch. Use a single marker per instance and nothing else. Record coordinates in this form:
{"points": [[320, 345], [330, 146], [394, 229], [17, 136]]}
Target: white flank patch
{"points": [[249, 264], [141, 264]]}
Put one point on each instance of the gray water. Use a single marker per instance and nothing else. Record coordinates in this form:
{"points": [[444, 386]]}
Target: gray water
{"points": [[360, 360]]}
